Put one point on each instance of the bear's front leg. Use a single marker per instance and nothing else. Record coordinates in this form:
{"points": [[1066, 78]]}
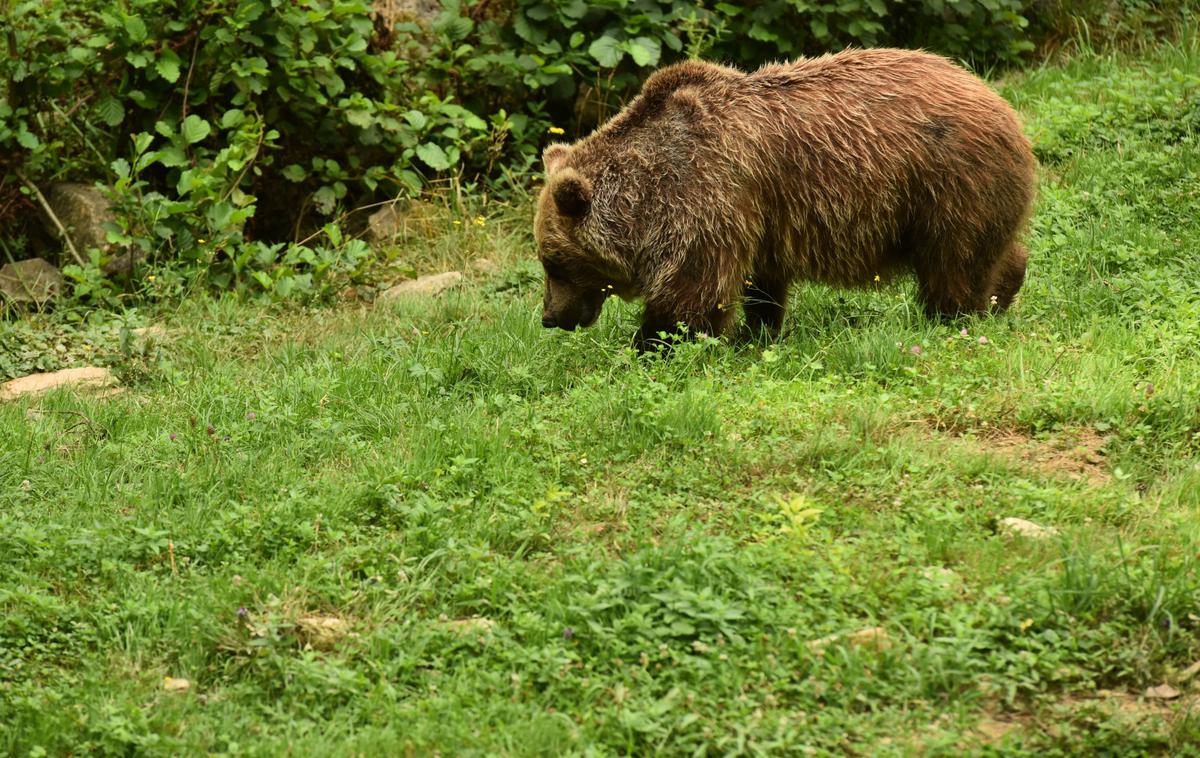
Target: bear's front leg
{"points": [[664, 325], [764, 303]]}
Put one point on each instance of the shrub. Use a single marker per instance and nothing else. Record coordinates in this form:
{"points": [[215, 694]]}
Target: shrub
{"points": [[247, 123]]}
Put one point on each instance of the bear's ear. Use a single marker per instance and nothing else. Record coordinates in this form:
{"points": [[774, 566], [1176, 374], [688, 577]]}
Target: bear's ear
{"points": [[686, 102], [554, 157], [572, 193]]}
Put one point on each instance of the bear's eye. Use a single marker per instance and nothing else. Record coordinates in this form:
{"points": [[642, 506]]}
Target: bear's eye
{"points": [[555, 270]]}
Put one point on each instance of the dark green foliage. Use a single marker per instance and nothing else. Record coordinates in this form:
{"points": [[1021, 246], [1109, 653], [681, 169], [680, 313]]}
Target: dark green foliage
{"points": [[233, 121]]}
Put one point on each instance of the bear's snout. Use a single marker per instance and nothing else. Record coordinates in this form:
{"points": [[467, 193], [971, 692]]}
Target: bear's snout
{"points": [[568, 307], [582, 314]]}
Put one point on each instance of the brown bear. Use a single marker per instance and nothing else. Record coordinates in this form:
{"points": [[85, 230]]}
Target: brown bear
{"points": [[715, 187]]}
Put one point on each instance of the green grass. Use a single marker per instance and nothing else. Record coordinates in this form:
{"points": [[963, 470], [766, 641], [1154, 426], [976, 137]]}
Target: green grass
{"points": [[538, 543]]}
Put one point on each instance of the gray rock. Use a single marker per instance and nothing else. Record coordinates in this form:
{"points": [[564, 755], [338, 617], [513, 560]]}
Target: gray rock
{"points": [[400, 218], [83, 210], [386, 223], [33, 281], [427, 286]]}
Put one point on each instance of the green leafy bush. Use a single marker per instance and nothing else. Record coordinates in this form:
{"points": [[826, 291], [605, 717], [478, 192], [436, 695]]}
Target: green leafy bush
{"points": [[227, 126], [216, 121]]}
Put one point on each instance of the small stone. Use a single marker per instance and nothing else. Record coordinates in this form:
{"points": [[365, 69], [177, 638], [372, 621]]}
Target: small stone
{"points": [[1161, 692], [431, 285], [176, 684], [472, 625], [87, 378], [1019, 527], [33, 281], [872, 637], [322, 631]]}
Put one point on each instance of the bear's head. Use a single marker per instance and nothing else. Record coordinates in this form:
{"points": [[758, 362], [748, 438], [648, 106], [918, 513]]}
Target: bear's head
{"points": [[581, 270]]}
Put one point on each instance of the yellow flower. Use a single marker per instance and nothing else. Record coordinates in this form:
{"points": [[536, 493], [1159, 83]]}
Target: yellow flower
{"points": [[150, 278], [202, 241], [877, 277], [556, 130], [480, 221], [1026, 624], [457, 222]]}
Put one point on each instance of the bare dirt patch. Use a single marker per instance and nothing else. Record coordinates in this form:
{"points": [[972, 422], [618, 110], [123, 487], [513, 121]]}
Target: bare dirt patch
{"points": [[1077, 454], [1121, 708]]}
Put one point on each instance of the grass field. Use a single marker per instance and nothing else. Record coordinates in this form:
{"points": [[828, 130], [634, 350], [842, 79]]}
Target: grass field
{"points": [[437, 526]]}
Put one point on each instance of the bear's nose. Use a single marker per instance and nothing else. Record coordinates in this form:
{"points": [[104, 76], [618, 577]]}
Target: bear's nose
{"points": [[549, 322]]}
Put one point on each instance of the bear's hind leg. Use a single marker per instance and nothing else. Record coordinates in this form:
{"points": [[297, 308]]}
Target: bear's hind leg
{"points": [[945, 291], [1008, 274], [764, 303]]}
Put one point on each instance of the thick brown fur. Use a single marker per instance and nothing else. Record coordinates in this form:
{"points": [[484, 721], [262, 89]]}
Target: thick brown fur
{"points": [[715, 187]]}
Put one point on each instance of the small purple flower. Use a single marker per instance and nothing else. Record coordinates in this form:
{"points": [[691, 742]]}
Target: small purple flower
{"points": [[242, 612], [568, 633], [983, 340], [251, 416], [915, 350], [963, 332], [1149, 389], [172, 436]]}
